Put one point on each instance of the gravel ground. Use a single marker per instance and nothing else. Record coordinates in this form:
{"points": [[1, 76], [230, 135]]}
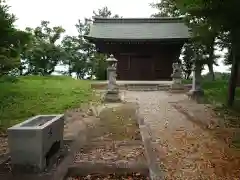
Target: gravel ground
{"points": [[186, 151]]}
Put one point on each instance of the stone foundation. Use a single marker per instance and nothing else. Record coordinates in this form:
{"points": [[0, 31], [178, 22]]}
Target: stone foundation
{"points": [[112, 96], [196, 95]]}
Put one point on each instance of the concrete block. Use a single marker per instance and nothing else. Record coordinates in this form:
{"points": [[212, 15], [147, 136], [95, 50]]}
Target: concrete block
{"points": [[34, 141]]}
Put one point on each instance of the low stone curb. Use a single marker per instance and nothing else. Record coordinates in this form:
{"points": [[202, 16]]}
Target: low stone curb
{"points": [[154, 171], [99, 144], [178, 91], [86, 168]]}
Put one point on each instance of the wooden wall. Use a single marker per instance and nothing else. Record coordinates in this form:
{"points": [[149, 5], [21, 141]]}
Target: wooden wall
{"points": [[143, 61]]}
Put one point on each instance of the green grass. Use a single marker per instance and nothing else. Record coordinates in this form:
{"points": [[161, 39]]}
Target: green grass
{"points": [[216, 92], [33, 95]]}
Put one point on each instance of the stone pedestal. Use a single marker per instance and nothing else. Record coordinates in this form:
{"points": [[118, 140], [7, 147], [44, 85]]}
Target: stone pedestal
{"points": [[112, 94], [177, 84], [196, 93]]}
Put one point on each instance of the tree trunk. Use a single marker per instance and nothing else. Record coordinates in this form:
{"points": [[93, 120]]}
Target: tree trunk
{"points": [[232, 82], [211, 58], [69, 68], [50, 72], [189, 74], [198, 76], [211, 72], [234, 71]]}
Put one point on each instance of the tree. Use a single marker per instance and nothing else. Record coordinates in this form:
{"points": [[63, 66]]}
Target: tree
{"points": [[74, 56], [99, 60], [69, 46], [205, 35], [92, 61], [188, 60], [45, 53], [169, 8], [88, 50], [222, 16], [224, 42], [103, 12], [12, 41], [81, 56]]}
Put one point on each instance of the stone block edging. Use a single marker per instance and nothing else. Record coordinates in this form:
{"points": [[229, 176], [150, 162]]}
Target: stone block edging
{"points": [[154, 171], [190, 116], [86, 168]]}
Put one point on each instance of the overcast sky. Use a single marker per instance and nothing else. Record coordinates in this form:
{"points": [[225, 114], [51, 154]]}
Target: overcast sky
{"points": [[66, 13]]}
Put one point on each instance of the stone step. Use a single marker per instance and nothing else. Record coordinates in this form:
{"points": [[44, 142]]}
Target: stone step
{"points": [[147, 87], [143, 87], [136, 86]]}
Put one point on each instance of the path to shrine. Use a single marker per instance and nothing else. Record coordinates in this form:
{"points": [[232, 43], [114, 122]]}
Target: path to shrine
{"points": [[178, 146], [183, 149]]}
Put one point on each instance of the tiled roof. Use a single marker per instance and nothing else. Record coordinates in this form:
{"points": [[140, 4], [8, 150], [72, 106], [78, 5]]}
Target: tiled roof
{"points": [[138, 28]]}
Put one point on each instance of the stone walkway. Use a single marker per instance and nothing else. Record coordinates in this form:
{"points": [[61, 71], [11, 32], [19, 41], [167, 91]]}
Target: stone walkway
{"points": [[183, 150]]}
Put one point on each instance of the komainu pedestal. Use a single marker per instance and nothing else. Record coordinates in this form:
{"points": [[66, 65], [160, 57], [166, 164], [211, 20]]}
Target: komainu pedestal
{"points": [[196, 93]]}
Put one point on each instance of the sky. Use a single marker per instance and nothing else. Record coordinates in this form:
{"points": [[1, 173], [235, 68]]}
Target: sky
{"points": [[66, 13]]}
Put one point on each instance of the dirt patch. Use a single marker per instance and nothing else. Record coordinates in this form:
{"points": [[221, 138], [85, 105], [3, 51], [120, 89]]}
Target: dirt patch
{"points": [[111, 153], [120, 123], [114, 139], [3, 147]]}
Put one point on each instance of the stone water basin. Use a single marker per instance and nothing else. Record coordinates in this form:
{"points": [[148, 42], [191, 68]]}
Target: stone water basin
{"points": [[35, 141]]}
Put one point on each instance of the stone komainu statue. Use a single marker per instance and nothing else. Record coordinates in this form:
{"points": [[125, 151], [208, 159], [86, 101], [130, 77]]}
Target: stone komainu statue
{"points": [[177, 70]]}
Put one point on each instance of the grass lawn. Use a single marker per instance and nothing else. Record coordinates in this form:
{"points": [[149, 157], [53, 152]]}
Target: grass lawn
{"points": [[33, 95], [216, 92]]}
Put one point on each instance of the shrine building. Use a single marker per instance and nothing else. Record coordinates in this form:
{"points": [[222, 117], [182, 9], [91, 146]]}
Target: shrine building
{"points": [[144, 47]]}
